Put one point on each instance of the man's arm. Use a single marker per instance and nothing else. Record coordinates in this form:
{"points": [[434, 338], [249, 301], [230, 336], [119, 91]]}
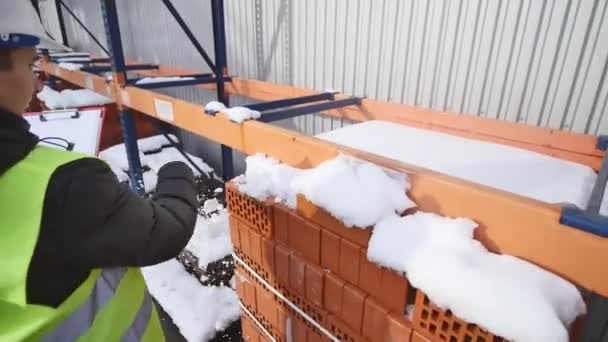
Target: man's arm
{"points": [[90, 220]]}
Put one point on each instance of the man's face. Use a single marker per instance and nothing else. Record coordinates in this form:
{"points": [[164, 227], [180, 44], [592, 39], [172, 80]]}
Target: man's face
{"points": [[17, 80]]}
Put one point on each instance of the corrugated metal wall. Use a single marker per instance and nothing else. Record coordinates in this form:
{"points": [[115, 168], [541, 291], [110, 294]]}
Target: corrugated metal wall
{"points": [[543, 62]]}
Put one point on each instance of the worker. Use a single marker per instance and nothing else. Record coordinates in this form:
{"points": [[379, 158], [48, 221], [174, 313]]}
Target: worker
{"points": [[71, 236]]}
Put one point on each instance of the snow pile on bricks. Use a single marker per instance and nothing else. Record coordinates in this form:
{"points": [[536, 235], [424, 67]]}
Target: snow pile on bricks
{"points": [[69, 98], [503, 294], [236, 114]]}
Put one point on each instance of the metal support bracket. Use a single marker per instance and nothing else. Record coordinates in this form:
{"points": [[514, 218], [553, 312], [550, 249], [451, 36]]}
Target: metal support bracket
{"points": [[262, 106], [179, 83], [583, 220], [91, 61], [314, 108], [107, 68]]}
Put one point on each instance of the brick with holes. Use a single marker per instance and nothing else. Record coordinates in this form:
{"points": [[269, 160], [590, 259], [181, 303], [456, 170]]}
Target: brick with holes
{"points": [[349, 261], [297, 274], [280, 223], [352, 307], [305, 237], [437, 324], [281, 263]]}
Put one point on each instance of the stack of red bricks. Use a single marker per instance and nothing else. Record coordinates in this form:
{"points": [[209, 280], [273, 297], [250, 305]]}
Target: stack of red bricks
{"points": [[320, 266]]}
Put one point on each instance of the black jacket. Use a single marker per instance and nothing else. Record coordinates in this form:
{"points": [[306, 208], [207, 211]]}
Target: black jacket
{"points": [[90, 220]]}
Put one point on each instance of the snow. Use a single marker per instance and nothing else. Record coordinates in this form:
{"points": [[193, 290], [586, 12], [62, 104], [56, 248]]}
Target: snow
{"points": [[236, 114], [501, 293], [504, 167], [69, 98], [117, 157], [70, 66], [155, 143], [74, 59], [267, 178], [120, 174], [214, 107], [148, 80], [211, 239], [157, 160], [198, 311], [150, 181], [241, 114], [342, 186]]}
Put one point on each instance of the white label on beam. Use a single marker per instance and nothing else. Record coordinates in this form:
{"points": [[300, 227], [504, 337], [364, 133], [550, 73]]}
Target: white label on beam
{"points": [[126, 99], [89, 83], [164, 109]]}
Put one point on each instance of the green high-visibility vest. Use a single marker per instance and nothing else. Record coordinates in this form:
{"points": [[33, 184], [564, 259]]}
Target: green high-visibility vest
{"points": [[111, 305]]}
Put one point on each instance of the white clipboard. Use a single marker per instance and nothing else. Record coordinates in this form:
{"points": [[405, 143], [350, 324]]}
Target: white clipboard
{"points": [[80, 127]]}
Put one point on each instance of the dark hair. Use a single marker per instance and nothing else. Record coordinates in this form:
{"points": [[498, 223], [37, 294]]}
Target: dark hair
{"points": [[5, 59]]}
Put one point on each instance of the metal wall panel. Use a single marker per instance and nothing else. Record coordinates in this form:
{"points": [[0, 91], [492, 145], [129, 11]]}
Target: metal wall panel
{"points": [[542, 62]]}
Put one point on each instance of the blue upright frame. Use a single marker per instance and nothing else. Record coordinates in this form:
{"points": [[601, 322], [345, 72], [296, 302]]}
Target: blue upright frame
{"points": [[591, 220], [129, 130]]}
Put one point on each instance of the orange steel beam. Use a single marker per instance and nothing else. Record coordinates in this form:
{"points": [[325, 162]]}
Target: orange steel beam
{"points": [[508, 223], [576, 147]]}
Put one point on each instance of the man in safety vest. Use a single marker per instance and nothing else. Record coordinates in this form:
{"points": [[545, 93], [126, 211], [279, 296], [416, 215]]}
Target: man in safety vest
{"points": [[71, 236]]}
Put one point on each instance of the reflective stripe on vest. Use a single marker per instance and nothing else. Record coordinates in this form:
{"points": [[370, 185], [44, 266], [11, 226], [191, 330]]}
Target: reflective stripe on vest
{"points": [[111, 305]]}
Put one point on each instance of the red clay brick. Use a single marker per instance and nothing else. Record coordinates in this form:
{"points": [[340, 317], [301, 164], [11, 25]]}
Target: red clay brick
{"points": [[352, 307], [330, 251], [332, 293], [398, 328], [297, 274], [244, 238], [370, 276], [240, 287], [313, 335], [268, 256], [305, 237], [281, 264], [417, 337], [282, 317], [234, 232], [249, 331], [314, 284], [342, 331], [321, 217], [393, 292], [349, 261], [375, 320], [250, 300], [280, 224], [255, 247], [266, 305], [298, 329]]}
